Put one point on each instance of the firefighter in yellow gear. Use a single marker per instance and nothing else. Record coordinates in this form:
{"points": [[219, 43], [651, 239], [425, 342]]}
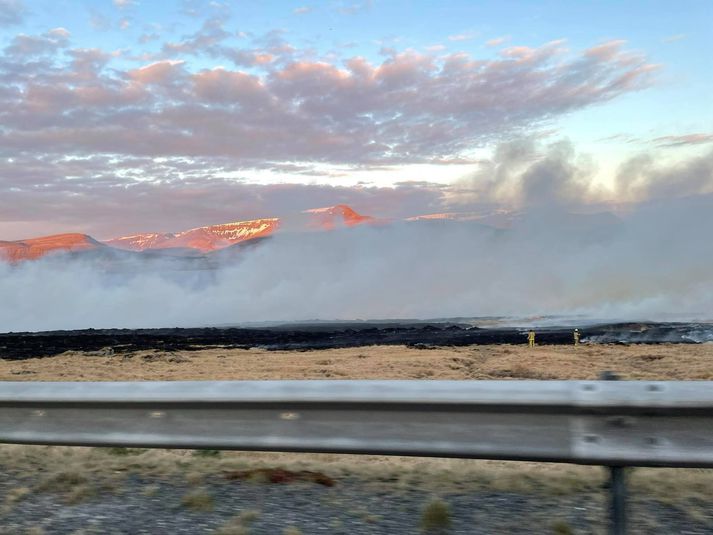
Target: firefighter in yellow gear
{"points": [[576, 337], [531, 338]]}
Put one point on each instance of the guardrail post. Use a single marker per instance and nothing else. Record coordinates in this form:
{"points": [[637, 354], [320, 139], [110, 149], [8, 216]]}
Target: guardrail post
{"points": [[617, 490], [617, 485]]}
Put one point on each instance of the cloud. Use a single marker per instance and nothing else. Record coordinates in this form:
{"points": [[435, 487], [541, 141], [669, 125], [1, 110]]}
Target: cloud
{"points": [[24, 46], [497, 41], [352, 8], [108, 199], [12, 12], [302, 10], [122, 4], [674, 38], [409, 108], [210, 34], [99, 21], [683, 140], [157, 73], [462, 36], [81, 129]]}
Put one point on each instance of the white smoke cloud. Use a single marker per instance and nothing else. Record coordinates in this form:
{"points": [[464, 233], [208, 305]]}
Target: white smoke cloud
{"points": [[653, 264], [525, 173]]}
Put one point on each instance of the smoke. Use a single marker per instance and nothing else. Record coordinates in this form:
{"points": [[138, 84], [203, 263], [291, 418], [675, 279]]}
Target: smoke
{"points": [[651, 262], [655, 263], [525, 174]]}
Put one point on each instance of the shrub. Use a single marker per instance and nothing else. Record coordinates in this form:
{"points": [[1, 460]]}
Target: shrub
{"points": [[62, 481], [436, 516], [198, 500], [239, 524], [123, 452], [206, 453], [561, 527]]}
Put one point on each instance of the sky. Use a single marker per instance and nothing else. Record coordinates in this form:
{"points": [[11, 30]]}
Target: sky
{"points": [[125, 116]]}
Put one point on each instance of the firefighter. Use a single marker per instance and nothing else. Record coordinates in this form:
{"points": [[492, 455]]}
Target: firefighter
{"points": [[531, 338], [576, 337]]}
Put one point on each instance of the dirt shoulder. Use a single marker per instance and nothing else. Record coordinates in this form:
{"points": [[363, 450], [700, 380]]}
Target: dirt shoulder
{"points": [[645, 362]]}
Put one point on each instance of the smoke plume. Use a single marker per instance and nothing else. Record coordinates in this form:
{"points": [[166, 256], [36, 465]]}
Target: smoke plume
{"points": [[651, 261]]}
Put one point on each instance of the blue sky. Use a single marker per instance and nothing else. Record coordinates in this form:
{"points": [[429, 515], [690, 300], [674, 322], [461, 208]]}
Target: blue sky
{"points": [[179, 95]]}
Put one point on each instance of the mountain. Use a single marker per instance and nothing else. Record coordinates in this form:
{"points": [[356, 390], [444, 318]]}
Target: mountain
{"points": [[332, 217], [203, 239], [215, 237], [213, 243], [34, 248], [501, 219], [189, 244]]}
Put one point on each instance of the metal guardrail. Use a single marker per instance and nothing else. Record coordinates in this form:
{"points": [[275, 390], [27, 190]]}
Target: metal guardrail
{"points": [[612, 423]]}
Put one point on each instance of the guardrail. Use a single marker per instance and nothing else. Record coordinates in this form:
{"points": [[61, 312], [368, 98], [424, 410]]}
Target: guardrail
{"points": [[611, 423]]}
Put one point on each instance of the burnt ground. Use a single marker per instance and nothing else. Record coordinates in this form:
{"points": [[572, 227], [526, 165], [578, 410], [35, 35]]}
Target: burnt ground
{"points": [[18, 346]]}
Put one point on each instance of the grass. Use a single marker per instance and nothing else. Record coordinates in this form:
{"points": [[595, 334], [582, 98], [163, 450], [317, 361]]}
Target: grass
{"points": [[436, 516], [62, 481], [62, 468], [239, 524], [198, 500], [124, 452], [74, 486], [561, 527], [14, 496], [17, 494], [150, 490], [80, 494], [206, 453], [659, 362]]}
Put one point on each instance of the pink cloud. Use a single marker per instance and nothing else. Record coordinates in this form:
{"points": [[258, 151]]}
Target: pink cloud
{"points": [[219, 85], [287, 106], [684, 140], [156, 73], [607, 50]]}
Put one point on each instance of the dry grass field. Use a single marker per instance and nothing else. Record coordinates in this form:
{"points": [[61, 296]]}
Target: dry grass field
{"points": [[652, 362]]}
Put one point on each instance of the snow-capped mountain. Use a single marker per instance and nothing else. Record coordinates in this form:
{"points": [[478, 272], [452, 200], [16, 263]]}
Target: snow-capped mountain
{"points": [[332, 217], [197, 240], [203, 239], [15, 251]]}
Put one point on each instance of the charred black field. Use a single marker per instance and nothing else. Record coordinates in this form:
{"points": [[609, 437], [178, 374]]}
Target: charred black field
{"points": [[424, 335]]}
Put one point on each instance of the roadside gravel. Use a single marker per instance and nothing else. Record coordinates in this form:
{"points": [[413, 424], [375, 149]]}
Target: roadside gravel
{"points": [[152, 505]]}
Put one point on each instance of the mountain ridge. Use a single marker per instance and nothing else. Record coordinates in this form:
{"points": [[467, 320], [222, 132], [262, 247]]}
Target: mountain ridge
{"points": [[205, 239], [229, 238]]}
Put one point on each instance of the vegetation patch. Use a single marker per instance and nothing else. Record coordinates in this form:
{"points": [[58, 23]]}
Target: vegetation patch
{"points": [[562, 527], [206, 453], [239, 524], [280, 475], [125, 452], [436, 517], [198, 500], [62, 482]]}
